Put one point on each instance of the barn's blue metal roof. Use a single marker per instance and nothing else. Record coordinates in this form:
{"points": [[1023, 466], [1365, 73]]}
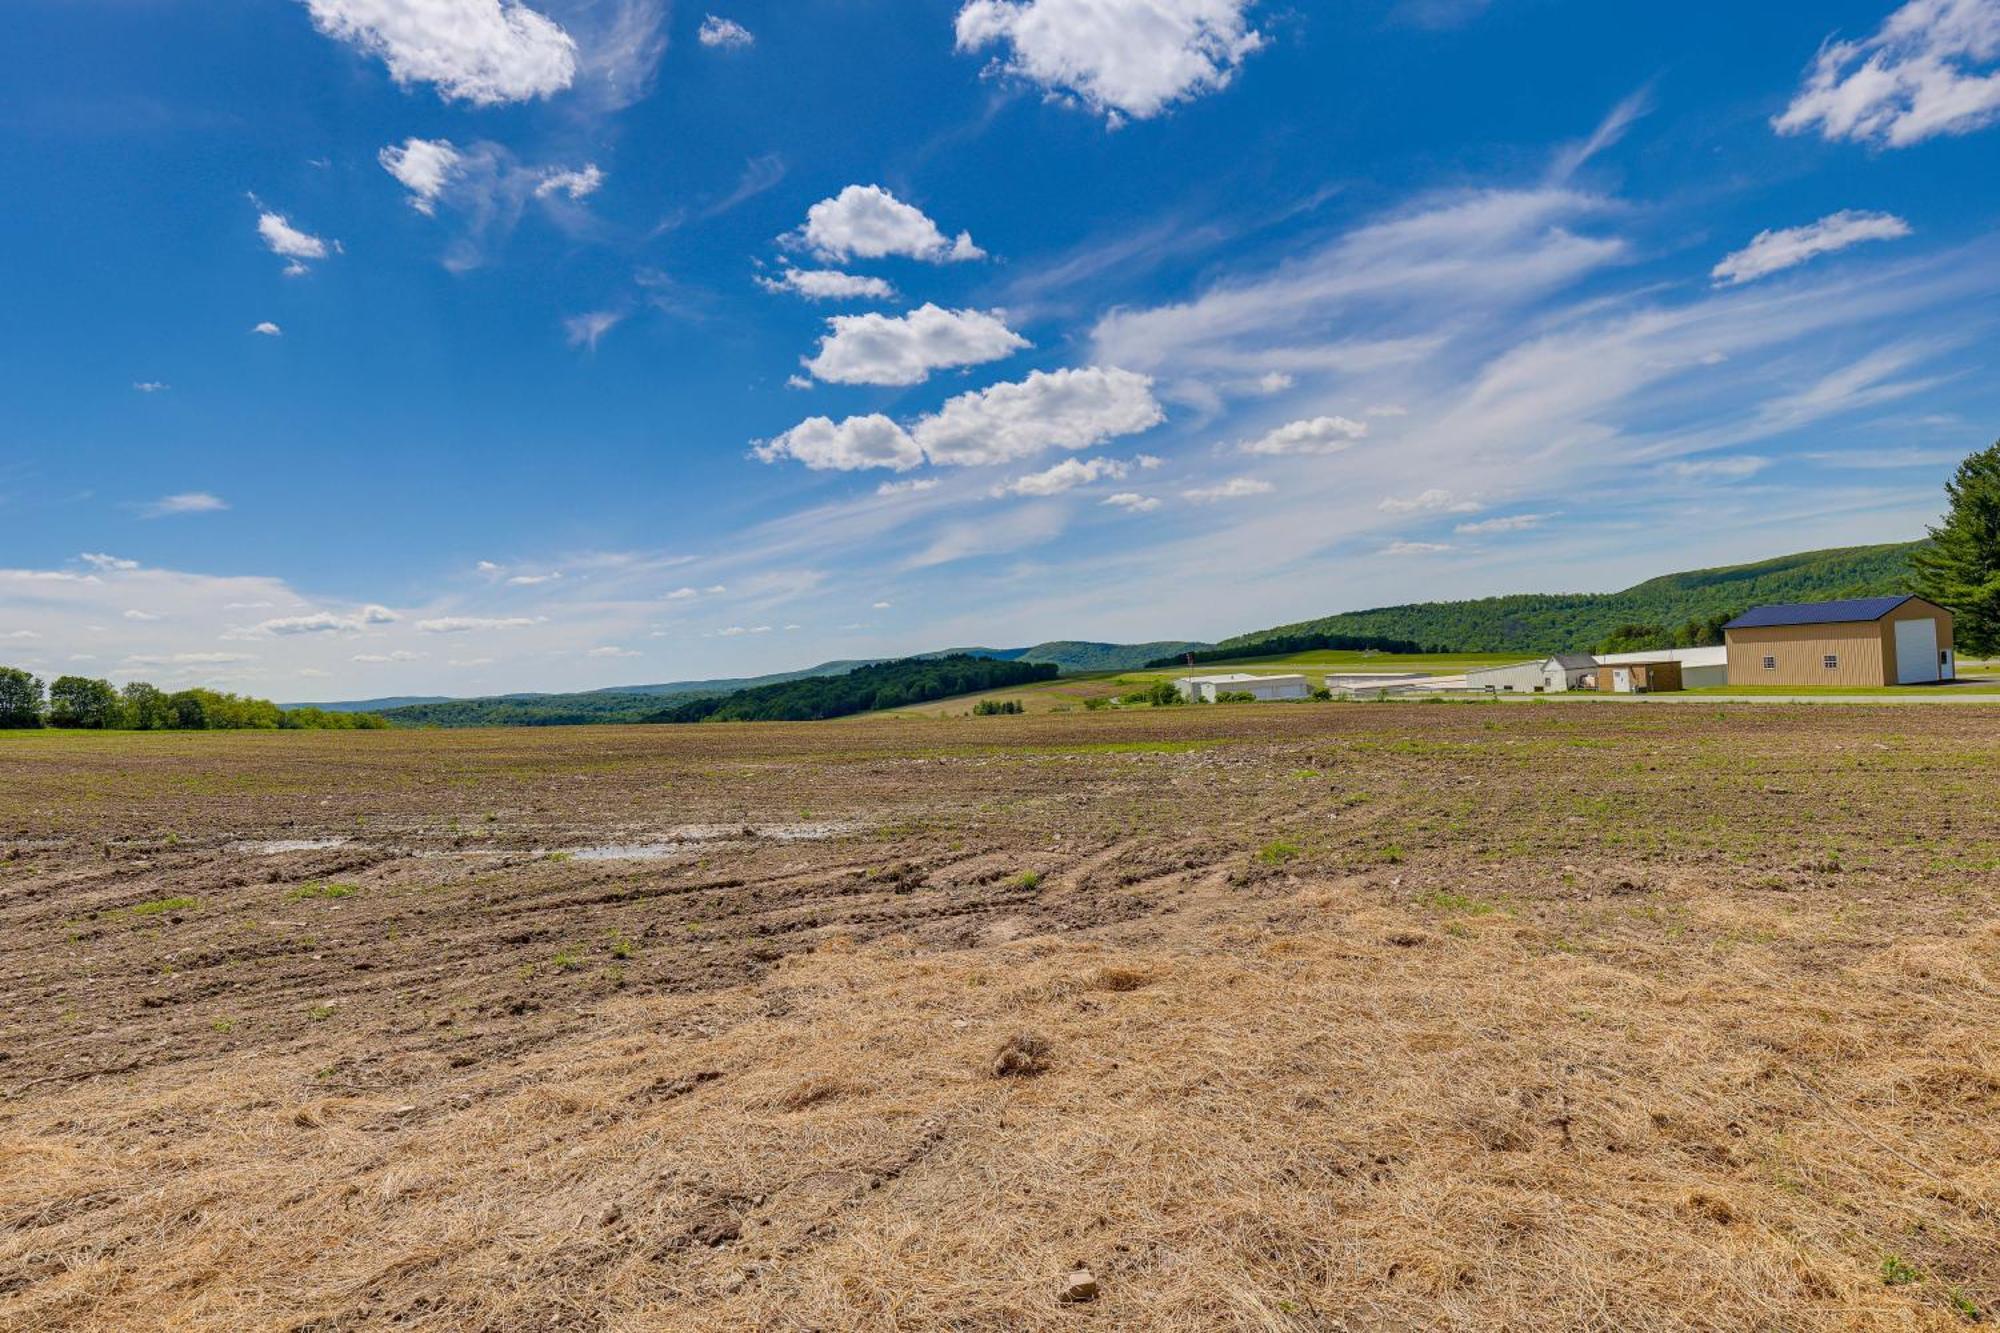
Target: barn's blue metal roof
{"points": [[1841, 612]]}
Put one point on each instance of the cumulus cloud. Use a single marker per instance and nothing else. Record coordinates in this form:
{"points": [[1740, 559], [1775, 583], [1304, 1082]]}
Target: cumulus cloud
{"points": [[1131, 502], [826, 284], [471, 624], [423, 166], [868, 222], [1063, 409], [323, 622], [281, 238], [187, 502], [724, 32], [1433, 501], [578, 184], [268, 329], [1318, 435], [1119, 57], [846, 446], [1771, 251], [1066, 476], [481, 51], [1929, 70], [1236, 488], [905, 349]]}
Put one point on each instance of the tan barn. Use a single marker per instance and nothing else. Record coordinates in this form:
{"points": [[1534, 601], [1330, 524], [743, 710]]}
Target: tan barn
{"points": [[1859, 641], [1657, 676]]}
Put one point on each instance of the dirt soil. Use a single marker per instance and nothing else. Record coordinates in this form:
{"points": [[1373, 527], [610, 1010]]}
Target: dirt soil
{"points": [[1315, 1017]]}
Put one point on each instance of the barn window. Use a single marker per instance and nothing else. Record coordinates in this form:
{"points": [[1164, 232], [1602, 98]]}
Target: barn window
{"points": [[1770, 664], [1944, 657], [1831, 661]]}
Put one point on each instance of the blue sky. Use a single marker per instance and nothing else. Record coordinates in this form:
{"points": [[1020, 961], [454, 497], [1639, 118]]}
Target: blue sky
{"points": [[362, 347]]}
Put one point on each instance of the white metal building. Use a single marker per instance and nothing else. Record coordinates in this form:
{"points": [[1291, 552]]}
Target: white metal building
{"points": [[1551, 675], [1204, 689], [1700, 667]]}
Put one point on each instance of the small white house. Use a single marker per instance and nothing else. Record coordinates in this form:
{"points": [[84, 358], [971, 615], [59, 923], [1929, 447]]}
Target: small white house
{"points": [[1551, 675], [1700, 667], [1204, 689]]}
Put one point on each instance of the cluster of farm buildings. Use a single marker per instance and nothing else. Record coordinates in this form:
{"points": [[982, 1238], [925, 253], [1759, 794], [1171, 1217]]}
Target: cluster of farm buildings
{"points": [[1866, 641]]}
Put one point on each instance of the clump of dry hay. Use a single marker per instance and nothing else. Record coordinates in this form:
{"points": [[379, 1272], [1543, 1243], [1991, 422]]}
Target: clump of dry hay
{"points": [[1023, 1055]]}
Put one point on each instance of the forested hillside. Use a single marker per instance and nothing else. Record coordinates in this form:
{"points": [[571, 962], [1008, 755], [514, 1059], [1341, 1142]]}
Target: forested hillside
{"points": [[529, 710], [1579, 622], [1079, 655], [884, 685]]}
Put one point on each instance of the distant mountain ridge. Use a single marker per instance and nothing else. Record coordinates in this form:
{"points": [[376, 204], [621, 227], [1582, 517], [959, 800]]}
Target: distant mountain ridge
{"points": [[1534, 623]]}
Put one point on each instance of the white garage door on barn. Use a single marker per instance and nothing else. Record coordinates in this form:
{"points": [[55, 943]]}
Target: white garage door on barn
{"points": [[1916, 652]]}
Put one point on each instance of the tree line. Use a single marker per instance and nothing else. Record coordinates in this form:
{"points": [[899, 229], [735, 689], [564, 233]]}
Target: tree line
{"points": [[1284, 645], [81, 703], [883, 685]]}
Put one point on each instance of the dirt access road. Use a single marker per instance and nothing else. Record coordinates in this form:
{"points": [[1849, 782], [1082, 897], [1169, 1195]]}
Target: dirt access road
{"points": [[1343, 1016]]}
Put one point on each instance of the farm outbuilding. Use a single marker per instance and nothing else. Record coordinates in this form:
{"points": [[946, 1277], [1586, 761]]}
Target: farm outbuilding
{"points": [[1856, 641], [1700, 667], [1551, 675], [1659, 675], [1205, 689]]}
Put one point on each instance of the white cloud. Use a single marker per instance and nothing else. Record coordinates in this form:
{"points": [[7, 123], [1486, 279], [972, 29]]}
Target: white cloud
{"points": [[187, 502], [1063, 409], [826, 284], [400, 655], [424, 167], [1511, 523], [586, 329], [1415, 548], [480, 51], [288, 242], [534, 580], [915, 486], [1435, 500], [1919, 76], [22, 634], [1715, 469], [724, 32], [1236, 488], [577, 184], [141, 615], [471, 624], [868, 222], [905, 349], [1120, 57], [1065, 476], [151, 386], [268, 329], [1276, 381], [882, 606], [858, 442], [612, 650], [1771, 251], [320, 622], [470, 662], [1132, 502], [107, 563], [1318, 435]]}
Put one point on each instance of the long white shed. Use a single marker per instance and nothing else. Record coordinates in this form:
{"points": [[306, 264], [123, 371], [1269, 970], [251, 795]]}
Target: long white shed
{"points": [[1204, 689]]}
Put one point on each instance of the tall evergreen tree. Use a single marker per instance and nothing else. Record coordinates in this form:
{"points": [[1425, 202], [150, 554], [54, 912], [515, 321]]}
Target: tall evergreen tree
{"points": [[1960, 570]]}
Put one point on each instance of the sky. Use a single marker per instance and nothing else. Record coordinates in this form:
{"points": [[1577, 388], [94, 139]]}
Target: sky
{"points": [[359, 348]]}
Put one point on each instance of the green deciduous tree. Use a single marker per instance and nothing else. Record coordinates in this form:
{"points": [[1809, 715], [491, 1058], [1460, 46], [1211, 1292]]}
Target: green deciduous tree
{"points": [[1960, 570], [20, 699], [79, 701], [146, 707]]}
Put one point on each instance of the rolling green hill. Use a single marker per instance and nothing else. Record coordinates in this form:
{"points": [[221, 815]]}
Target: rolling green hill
{"points": [[1072, 656], [1531, 623], [864, 690]]}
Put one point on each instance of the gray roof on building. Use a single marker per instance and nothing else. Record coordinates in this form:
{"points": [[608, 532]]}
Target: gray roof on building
{"points": [[1845, 611], [1574, 661]]}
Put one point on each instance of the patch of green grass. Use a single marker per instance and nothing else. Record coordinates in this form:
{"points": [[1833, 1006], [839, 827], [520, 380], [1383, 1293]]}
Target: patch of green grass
{"points": [[1963, 1305], [1027, 879], [566, 960], [1896, 1272], [157, 907], [1278, 851], [319, 1013], [559, 857], [223, 1024], [318, 890], [622, 946], [1444, 900]]}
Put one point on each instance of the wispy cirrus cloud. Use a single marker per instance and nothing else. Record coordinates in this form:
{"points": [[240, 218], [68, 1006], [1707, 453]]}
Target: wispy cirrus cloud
{"points": [[1774, 251], [185, 502]]}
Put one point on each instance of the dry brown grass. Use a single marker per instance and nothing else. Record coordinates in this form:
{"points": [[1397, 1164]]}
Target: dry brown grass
{"points": [[1313, 1098]]}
